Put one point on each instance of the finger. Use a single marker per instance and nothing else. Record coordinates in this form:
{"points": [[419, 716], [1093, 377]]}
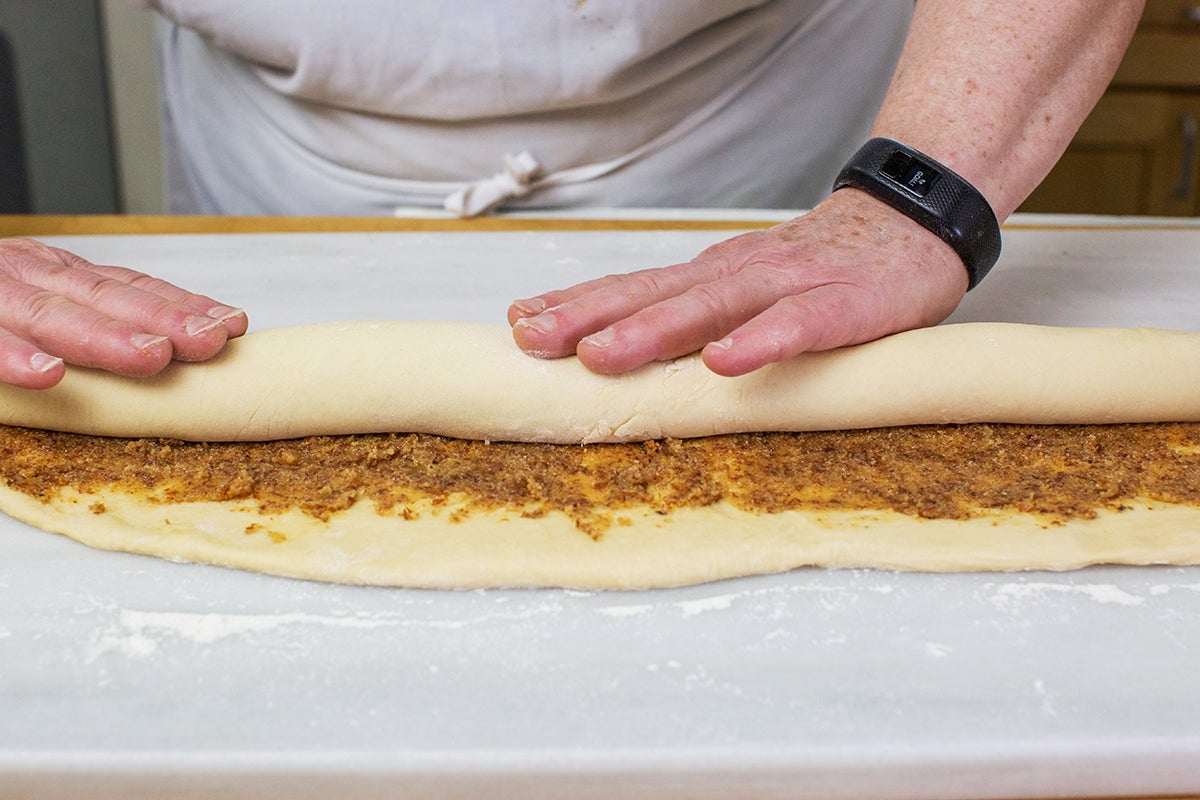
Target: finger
{"points": [[24, 364], [197, 343], [79, 334], [557, 331], [232, 318], [194, 336], [532, 306], [823, 318], [66, 273], [684, 323], [820, 319]]}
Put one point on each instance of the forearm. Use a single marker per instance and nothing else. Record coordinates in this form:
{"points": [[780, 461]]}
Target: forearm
{"points": [[996, 90]]}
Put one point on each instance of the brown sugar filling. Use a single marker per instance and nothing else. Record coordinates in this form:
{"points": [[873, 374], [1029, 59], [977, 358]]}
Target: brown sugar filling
{"points": [[948, 472]]}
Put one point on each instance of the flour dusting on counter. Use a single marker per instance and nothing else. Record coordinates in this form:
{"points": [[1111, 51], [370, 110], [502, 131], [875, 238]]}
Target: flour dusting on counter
{"points": [[938, 650], [1005, 593], [208, 628], [1164, 588], [625, 611], [137, 634], [765, 601], [691, 608], [1047, 700]]}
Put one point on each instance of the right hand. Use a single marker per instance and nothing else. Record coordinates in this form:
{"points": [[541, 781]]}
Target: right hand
{"points": [[851, 270], [58, 309]]}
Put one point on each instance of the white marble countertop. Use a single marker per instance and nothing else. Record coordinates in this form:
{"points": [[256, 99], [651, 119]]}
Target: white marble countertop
{"points": [[126, 676]]}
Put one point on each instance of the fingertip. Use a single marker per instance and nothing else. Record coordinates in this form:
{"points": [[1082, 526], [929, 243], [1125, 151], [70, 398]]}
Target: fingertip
{"points": [[724, 359], [44, 371], [606, 353], [536, 335], [203, 337], [150, 354], [523, 309], [594, 351], [600, 365], [234, 320], [197, 325], [532, 347], [31, 369], [721, 345], [536, 327]]}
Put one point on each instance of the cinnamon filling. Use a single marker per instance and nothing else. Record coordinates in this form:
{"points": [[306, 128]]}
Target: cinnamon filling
{"points": [[936, 472]]}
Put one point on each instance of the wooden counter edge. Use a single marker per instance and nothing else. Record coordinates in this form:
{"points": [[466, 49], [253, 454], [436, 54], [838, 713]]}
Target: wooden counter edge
{"points": [[114, 224], [120, 224]]}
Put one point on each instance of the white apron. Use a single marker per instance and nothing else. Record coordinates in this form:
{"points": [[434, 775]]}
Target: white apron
{"points": [[368, 107]]}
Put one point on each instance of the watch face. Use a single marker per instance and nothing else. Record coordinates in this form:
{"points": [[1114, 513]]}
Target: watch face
{"points": [[910, 173]]}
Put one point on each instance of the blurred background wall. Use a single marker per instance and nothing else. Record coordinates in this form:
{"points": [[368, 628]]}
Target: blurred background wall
{"points": [[78, 108]]}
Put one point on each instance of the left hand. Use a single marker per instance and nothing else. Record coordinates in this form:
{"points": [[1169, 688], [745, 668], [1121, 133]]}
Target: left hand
{"points": [[849, 271], [57, 309]]}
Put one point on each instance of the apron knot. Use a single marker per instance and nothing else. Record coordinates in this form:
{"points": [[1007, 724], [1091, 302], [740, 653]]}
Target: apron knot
{"points": [[481, 196]]}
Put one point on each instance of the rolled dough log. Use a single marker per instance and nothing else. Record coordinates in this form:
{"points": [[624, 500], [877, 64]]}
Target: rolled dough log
{"points": [[471, 381]]}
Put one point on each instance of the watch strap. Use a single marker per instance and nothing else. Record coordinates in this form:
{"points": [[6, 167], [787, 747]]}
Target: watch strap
{"points": [[932, 195]]}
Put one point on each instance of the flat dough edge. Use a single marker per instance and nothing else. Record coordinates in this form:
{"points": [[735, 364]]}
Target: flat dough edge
{"points": [[501, 549], [471, 381]]}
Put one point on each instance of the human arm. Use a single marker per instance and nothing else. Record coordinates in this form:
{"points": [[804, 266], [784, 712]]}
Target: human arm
{"points": [[995, 91], [57, 309]]}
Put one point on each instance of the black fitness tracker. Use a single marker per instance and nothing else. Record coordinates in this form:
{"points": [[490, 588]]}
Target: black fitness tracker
{"points": [[930, 194]]}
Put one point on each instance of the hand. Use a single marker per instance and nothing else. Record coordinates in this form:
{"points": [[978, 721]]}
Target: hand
{"points": [[55, 307], [849, 271]]}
